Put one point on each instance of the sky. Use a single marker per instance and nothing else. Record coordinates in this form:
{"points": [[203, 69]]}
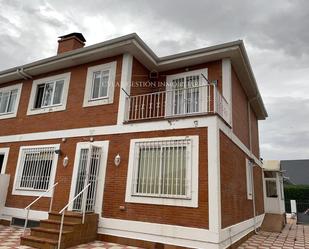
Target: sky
{"points": [[276, 36]]}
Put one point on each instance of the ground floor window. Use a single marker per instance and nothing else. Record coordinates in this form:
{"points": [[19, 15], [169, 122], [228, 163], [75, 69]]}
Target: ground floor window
{"points": [[36, 167], [271, 188], [162, 168]]}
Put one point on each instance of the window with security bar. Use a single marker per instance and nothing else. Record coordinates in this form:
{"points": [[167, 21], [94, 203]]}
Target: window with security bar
{"points": [[162, 168], [35, 169]]}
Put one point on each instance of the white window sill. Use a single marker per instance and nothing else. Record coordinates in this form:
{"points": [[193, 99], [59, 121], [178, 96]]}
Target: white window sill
{"points": [[47, 109], [27, 192], [8, 115], [163, 201], [99, 101]]}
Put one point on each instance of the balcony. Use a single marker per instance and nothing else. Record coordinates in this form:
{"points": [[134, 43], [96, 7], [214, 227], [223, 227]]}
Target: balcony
{"points": [[179, 102]]}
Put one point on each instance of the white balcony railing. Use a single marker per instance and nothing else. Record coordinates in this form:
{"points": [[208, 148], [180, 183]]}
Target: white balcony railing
{"points": [[182, 102]]}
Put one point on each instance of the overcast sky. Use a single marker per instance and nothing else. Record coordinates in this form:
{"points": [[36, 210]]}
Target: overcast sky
{"points": [[275, 33]]}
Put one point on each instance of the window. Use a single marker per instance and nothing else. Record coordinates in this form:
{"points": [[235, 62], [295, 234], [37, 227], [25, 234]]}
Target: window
{"points": [[187, 93], [100, 84], [163, 169], [271, 184], [4, 153], [36, 168], [249, 176], [49, 94], [9, 99]]}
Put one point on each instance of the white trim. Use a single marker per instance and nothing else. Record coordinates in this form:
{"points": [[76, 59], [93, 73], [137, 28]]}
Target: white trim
{"points": [[249, 175], [126, 78], [8, 213], [162, 233], [112, 129], [214, 186], [60, 107], [111, 66], [227, 86], [101, 173], [192, 202], [5, 152], [17, 87], [16, 191], [232, 234]]}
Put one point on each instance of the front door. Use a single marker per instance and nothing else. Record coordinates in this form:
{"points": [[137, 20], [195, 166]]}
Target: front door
{"points": [[88, 169]]}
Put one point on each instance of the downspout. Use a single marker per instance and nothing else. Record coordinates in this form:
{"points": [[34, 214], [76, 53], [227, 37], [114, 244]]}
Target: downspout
{"points": [[23, 74], [253, 164]]}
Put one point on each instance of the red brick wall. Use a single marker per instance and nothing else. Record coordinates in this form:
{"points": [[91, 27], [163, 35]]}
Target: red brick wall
{"points": [[240, 110], [75, 115], [115, 181], [69, 44], [235, 207]]}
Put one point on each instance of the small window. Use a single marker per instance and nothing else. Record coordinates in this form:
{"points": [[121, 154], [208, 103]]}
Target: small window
{"points": [[271, 188], [249, 176], [9, 98], [49, 94], [163, 171], [100, 84], [36, 168]]}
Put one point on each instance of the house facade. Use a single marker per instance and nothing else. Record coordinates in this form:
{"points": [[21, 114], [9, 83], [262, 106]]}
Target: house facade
{"points": [[168, 145]]}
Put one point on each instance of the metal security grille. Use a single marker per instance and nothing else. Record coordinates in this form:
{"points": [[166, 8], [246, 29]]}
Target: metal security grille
{"points": [[36, 168], [89, 163], [162, 168]]}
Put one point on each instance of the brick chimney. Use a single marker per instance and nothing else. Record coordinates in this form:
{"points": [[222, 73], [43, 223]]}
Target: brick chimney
{"points": [[70, 42]]}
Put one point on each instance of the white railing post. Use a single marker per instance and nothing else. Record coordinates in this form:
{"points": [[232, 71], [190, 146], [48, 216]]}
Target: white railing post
{"points": [[26, 220], [60, 230]]}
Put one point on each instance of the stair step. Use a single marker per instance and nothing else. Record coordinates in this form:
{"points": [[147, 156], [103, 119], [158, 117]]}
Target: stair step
{"points": [[37, 242], [43, 232], [68, 216], [55, 224]]}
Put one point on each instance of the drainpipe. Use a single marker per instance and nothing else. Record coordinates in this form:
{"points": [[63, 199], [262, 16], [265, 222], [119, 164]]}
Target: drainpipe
{"points": [[253, 164], [23, 74]]}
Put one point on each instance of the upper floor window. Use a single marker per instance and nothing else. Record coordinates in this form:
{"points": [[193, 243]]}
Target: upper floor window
{"points": [[9, 99], [49, 94], [100, 84]]}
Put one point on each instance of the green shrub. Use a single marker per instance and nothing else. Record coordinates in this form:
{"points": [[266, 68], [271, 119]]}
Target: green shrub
{"points": [[296, 192]]}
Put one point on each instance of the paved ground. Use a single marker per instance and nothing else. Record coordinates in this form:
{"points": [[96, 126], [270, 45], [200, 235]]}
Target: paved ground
{"points": [[292, 237], [9, 239]]}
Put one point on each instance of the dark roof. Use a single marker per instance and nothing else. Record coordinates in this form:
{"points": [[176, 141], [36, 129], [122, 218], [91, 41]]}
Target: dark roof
{"points": [[78, 35], [297, 171]]}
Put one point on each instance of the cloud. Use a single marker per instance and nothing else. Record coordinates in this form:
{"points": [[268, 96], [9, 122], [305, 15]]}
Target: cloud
{"points": [[275, 34]]}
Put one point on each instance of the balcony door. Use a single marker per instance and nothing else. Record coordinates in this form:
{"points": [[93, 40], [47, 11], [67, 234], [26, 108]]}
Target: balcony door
{"points": [[186, 93]]}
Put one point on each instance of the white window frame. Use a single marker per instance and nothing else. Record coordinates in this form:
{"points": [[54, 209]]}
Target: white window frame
{"points": [[202, 94], [25, 192], [191, 201], [249, 179], [5, 152], [52, 108], [88, 101], [12, 114]]}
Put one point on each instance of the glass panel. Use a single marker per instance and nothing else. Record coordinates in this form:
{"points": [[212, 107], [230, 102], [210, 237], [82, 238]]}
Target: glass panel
{"points": [[271, 189], [173, 170], [4, 102], [178, 96], [58, 92], [104, 83], [12, 101], [96, 85], [48, 93], [192, 94], [148, 171]]}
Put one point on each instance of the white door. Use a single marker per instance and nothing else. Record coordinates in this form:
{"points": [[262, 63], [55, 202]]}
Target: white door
{"points": [[88, 169]]}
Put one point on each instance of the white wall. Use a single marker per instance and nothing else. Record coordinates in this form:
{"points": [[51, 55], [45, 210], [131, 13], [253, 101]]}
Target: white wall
{"points": [[4, 184]]}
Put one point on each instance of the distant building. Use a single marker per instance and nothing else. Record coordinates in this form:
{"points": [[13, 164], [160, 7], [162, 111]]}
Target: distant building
{"points": [[295, 172]]}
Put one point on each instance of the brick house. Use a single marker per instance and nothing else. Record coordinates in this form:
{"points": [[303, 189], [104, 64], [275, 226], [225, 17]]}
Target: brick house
{"points": [[168, 146]]}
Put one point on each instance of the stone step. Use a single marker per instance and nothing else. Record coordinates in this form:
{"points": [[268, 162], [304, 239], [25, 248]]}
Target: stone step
{"points": [[37, 242], [55, 224], [68, 216], [48, 233]]}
